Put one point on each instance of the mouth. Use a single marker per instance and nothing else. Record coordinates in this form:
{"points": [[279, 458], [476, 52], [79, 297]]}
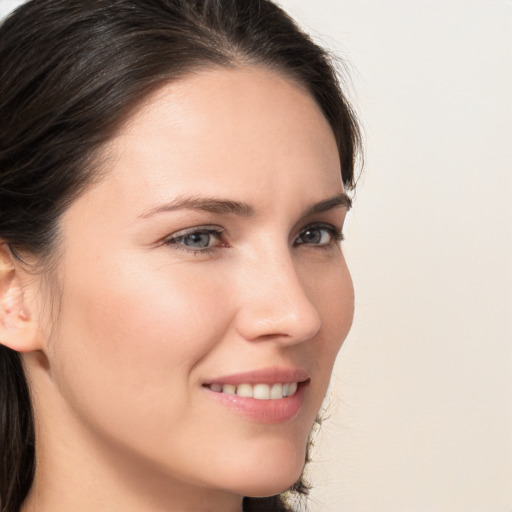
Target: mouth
{"points": [[271, 395], [260, 391]]}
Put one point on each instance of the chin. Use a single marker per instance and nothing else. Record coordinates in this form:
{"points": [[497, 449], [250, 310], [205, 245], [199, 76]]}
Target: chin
{"points": [[270, 488], [272, 472], [276, 484]]}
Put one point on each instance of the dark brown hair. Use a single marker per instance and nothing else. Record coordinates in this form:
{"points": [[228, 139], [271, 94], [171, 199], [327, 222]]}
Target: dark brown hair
{"points": [[70, 72]]}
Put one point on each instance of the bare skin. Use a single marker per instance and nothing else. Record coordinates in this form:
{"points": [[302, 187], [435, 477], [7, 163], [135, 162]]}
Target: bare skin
{"points": [[161, 293]]}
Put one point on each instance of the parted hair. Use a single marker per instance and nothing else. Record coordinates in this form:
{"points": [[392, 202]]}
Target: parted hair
{"points": [[71, 71]]}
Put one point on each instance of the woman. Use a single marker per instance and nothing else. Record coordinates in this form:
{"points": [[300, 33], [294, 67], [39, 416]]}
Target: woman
{"points": [[173, 179]]}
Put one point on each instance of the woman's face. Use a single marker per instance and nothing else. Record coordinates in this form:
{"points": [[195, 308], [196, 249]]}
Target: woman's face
{"points": [[205, 261]]}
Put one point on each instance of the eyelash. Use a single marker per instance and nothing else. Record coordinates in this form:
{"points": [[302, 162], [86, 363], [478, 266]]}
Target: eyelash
{"points": [[174, 240]]}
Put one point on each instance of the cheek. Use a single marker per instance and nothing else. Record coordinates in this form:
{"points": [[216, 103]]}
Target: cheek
{"points": [[136, 333], [331, 289], [339, 305], [332, 293], [131, 304]]}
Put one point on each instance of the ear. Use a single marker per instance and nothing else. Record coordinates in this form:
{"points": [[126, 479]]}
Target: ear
{"points": [[18, 328]]}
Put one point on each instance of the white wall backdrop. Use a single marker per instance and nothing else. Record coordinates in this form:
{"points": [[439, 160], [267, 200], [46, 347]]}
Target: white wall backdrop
{"points": [[421, 404], [420, 410]]}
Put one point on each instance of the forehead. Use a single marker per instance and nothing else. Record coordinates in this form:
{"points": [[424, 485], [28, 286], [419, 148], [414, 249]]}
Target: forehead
{"points": [[247, 128]]}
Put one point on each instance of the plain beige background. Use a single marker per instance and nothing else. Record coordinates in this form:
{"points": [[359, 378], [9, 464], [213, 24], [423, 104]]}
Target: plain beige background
{"points": [[419, 417], [421, 404]]}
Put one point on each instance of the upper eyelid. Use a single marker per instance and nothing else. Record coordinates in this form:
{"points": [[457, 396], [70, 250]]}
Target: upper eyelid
{"points": [[218, 229], [333, 216], [319, 224], [326, 225], [213, 229]]}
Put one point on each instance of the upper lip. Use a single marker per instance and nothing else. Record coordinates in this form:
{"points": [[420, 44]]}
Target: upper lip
{"points": [[272, 375]]}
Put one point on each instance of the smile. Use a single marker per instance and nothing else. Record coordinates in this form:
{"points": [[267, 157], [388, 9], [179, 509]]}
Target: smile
{"points": [[268, 395], [257, 391]]}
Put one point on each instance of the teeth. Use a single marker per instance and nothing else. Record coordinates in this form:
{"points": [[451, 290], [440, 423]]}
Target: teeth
{"points": [[258, 391], [245, 390], [261, 392], [276, 391], [229, 389], [292, 388]]}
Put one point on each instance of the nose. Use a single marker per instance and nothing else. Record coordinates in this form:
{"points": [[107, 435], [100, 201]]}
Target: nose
{"points": [[274, 302]]}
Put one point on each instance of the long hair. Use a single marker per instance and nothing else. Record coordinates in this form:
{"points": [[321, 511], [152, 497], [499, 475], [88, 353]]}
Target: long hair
{"points": [[71, 71]]}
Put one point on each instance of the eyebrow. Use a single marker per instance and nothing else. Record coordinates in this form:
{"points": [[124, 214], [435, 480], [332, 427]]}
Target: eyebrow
{"points": [[206, 204], [340, 200], [241, 209]]}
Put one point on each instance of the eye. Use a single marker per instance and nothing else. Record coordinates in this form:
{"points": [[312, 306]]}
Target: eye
{"points": [[196, 240], [320, 235]]}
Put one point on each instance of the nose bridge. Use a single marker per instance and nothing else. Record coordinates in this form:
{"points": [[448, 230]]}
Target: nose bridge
{"points": [[276, 304]]}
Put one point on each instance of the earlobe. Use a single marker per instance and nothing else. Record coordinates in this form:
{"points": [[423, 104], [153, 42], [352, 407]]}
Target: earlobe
{"points": [[18, 329]]}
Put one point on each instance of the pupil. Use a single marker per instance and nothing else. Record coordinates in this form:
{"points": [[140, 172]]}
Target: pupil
{"points": [[200, 240], [312, 236]]}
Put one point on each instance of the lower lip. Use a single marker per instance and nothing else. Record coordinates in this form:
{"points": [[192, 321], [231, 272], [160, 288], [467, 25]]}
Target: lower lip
{"points": [[279, 410]]}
